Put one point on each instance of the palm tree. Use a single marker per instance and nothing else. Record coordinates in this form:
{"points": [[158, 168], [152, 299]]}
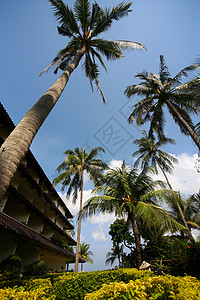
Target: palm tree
{"points": [[115, 253], [162, 90], [85, 253], [151, 155], [72, 176], [83, 27], [126, 192], [190, 209]]}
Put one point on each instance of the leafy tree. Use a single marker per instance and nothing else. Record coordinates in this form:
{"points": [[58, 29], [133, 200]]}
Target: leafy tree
{"points": [[126, 192], [161, 91], [85, 253], [72, 175], [120, 234], [121, 238], [83, 26], [173, 255]]}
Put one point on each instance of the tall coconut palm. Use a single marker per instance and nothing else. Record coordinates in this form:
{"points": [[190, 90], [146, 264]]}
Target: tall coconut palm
{"points": [[72, 176], [151, 155], [85, 253], [126, 192], [83, 27], [161, 91]]}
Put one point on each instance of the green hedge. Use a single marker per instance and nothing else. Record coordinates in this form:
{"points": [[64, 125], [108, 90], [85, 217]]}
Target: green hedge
{"points": [[33, 289], [159, 287], [116, 284], [76, 286]]}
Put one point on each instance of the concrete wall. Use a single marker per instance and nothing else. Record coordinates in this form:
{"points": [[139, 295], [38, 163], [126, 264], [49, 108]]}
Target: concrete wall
{"points": [[54, 261]]}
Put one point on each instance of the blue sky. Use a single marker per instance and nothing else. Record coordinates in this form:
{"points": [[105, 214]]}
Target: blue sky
{"points": [[29, 42]]}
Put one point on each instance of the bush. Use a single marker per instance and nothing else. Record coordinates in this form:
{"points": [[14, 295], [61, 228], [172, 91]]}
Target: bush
{"points": [[11, 265], [37, 268], [108, 284], [159, 287], [76, 286], [178, 256], [32, 289]]}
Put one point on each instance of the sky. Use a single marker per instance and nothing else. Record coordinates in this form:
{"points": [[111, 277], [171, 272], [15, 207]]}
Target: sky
{"points": [[29, 42]]}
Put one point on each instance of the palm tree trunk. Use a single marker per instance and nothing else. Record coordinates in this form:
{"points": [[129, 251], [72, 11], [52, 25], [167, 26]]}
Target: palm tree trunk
{"points": [[79, 225], [179, 208], [18, 142], [137, 242], [166, 178], [118, 256], [190, 130]]}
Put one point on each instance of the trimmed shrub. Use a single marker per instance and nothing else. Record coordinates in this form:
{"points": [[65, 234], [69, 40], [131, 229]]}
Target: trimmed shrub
{"points": [[11, 265], [159, 287], [76, 286], [140, 285], [37, 268], [32, 289]]}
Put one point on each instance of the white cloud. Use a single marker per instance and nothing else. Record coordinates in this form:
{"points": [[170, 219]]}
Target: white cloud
{"points": [[98, 235], [102, 219], [86, 177], [115, 164], [74, 208], [95, 219]]}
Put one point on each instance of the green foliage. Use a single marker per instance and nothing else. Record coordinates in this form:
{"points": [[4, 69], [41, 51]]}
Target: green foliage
{"points": [[11, 265], [160, 287], [178, 256], [109, 284], [59, 242], [120, 234], [121, 237], [37, 268], [31, 290], [76, 286]]}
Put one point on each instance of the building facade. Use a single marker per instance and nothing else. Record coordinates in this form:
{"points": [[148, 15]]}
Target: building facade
{"points": [[34, 221]]}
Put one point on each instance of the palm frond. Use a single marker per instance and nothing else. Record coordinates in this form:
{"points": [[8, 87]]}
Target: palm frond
{"points": [[100, 90], [107, 16], [164, 71], [193, 224], [108, 48], [157, 121], [129, 45], [94, 152], [96, 54], [153, 214], [184, 72], [96, 11], [65, 17], [83, 14]]}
